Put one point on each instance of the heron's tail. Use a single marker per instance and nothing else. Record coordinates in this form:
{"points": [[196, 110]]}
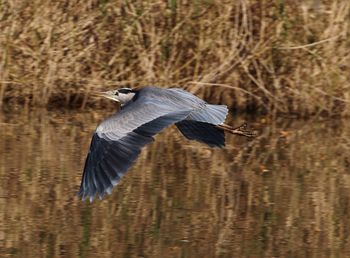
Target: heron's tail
{"points": [[211, 114]]}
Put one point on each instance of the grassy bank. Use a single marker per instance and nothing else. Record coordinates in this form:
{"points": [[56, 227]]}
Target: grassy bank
{"points": [[275, 56]]}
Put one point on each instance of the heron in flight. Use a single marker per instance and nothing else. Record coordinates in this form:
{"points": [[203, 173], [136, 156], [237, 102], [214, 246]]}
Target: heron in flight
{"points": [[144, 112]]}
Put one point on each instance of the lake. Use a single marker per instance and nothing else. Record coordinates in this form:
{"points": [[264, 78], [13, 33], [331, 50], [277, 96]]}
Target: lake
{"points": [[285, 193]]}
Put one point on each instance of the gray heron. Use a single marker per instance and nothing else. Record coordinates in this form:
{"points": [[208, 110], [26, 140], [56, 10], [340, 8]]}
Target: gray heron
{"points": [[118, 140]]}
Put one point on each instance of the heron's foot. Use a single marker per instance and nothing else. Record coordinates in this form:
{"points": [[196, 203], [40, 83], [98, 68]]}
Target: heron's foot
{"points": [[240, 130], [244, 131], [242, 127]]}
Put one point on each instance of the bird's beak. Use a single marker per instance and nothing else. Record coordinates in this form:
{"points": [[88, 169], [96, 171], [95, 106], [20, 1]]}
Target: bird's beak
{"points": [[99, 94], [105, 94]]}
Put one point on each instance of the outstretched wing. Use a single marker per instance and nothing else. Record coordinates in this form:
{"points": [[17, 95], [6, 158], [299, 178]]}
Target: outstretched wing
{"points": [[134, 115], [107, 162], [203, 132], [118, 141]]}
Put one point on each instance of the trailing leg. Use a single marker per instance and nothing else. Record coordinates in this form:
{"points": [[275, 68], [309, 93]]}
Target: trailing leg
{"points": [[240, 130]]}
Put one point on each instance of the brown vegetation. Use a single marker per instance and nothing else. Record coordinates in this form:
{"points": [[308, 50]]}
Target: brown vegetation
{"points": [[274, 56]]}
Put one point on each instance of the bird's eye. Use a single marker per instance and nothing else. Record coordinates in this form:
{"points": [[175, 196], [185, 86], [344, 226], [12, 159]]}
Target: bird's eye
{"points": [[116, 93], [125, 91]]}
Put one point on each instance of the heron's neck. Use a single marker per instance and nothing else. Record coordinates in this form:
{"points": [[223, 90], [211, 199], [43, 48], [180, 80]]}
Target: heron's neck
{"points": [[125, 98]]}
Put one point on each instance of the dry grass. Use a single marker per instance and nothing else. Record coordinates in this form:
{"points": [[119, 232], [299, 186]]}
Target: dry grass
{"points": [[275, 56]]}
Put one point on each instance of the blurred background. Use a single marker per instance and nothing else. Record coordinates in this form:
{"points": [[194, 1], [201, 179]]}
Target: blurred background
{"points": [[282, 66]]}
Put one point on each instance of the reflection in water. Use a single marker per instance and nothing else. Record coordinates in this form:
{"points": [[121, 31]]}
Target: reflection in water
{"points": [[285, 194]]}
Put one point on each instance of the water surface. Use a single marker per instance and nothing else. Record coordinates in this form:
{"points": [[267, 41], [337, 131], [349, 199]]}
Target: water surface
{"points": [[284, 194]]}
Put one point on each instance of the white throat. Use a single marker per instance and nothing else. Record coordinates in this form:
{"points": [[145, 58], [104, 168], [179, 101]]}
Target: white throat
{"points": [[125, 98]]}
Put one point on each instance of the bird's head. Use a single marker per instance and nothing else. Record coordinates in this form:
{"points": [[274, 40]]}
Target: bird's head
{"points": [[122, 95]]}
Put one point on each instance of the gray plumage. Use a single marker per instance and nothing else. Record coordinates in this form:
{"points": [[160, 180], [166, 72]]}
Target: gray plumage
{"points": [[119, 139]]}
